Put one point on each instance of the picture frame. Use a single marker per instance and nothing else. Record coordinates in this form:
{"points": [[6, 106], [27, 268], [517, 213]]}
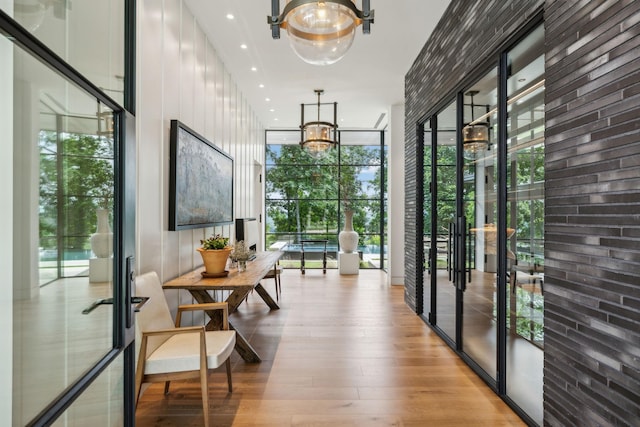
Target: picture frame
{"points": [[200, 181]]}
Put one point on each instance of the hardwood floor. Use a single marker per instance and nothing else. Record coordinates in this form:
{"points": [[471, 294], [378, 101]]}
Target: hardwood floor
{"points": [[341, 351]]}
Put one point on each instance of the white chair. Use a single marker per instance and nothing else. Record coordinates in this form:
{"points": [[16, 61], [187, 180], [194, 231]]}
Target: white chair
{"points": [[170, 352]]}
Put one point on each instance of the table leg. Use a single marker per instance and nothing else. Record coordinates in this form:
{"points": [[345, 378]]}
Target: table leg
{"points": [[243, 347], [266, 297], [324, 262]]}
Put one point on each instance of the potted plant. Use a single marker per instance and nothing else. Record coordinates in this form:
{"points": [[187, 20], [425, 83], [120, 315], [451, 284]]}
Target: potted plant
{"points": [[241, 253], [215, 251]]}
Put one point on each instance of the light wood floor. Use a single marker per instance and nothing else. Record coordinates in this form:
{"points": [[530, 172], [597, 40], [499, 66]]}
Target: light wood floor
{"points": [[341, 351]]}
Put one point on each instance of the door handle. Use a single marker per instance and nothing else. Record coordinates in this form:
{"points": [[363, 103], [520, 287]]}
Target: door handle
{"points": [[461, 270], [139, 301]]}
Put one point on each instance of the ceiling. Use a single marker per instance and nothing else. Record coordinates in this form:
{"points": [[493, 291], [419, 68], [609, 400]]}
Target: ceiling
{"points": [[365, 83]]}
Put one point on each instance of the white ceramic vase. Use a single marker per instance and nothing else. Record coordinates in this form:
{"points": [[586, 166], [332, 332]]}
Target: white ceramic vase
{"points": [[102, 239], [348, 238]]}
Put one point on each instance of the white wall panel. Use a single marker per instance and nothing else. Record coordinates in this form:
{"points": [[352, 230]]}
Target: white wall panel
{"points": [[395, 193], [6, 216], [199, 80], [150, 136], [180, 76], [210, 94], [186, 83], [169, 67]]}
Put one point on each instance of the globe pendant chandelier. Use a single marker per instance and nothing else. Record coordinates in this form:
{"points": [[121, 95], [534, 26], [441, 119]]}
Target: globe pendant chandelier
{"points": [[318, 136], [475, 135], [320, 31]]}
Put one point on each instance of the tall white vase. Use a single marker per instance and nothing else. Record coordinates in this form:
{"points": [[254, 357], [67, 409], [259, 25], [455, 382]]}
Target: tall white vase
{"points": [[348, 238], [102, 239]]}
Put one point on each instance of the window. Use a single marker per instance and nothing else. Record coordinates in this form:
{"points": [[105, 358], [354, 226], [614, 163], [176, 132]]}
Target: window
{"points": [[306, 198]]}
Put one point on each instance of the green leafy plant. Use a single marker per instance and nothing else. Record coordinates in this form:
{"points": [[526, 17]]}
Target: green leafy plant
{"points": [[215, 242]]}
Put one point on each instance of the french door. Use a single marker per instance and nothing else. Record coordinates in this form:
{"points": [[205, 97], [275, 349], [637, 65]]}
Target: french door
{"points": [[73, 217], [483, 223]]}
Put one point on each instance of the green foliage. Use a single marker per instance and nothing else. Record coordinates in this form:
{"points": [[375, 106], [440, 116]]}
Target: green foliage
{"points": [[76, 178], [304, 195], [215, 242]]}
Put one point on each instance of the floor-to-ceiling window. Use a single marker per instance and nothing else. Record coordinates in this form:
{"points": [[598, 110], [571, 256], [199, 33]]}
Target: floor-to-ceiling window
{"points": [[306, 197], [483, 213]]}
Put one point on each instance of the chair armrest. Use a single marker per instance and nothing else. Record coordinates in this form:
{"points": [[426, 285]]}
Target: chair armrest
{"points": [[204, 307], [174, 331]]}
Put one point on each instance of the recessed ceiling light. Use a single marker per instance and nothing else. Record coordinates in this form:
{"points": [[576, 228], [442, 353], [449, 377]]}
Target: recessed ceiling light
{"points": [[272, 109], [260, 85], [267, 99], [254, 69], [230, 16], [275, 119], [243, 46]]}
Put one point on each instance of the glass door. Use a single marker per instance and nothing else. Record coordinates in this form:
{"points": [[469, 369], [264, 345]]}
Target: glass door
{"points": [[479, 194], [429, 244], [525, 216], [444, 256], [483, 233], [71, 146]]}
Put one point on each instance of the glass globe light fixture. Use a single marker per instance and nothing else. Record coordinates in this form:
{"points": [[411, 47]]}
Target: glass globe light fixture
{"points": [[320, 31], [475, 135], [475, 138], [317, 137]]}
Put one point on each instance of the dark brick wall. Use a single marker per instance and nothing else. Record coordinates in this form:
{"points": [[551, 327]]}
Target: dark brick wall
{"points": [[592, 243]]}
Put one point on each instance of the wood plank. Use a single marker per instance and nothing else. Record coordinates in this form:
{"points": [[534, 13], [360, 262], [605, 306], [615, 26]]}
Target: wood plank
{"points": [[341, 351], [255, 271]]}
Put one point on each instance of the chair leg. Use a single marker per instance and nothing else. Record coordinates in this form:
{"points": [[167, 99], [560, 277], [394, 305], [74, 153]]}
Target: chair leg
{"points": [[140, 368], [166, 387], [228, 363], [204, 384]]}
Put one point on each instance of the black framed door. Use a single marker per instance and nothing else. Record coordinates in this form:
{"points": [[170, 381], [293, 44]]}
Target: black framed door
{"points": [[74, 147], [483, 223]]}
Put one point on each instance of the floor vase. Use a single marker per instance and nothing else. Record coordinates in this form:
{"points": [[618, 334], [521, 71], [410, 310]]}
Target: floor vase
{"points": [[348, 238]]}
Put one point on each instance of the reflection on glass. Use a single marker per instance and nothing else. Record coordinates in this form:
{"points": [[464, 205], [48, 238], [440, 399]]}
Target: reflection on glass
{"points": [[87, 34], [525, 214], [445, 200], [479, 330], [106, 389], [430, 247], [60, 141]]}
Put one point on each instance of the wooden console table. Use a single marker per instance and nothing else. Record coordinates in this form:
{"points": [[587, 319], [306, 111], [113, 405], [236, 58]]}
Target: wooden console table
{"points": [[240, 284]]}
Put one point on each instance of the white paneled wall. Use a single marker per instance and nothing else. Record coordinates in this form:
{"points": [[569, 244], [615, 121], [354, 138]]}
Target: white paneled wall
{"points": [[6, 216], [181, 77]]}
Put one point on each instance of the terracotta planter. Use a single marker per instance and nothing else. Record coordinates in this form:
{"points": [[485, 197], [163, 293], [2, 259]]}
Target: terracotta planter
{"points": [[215, 260]]}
